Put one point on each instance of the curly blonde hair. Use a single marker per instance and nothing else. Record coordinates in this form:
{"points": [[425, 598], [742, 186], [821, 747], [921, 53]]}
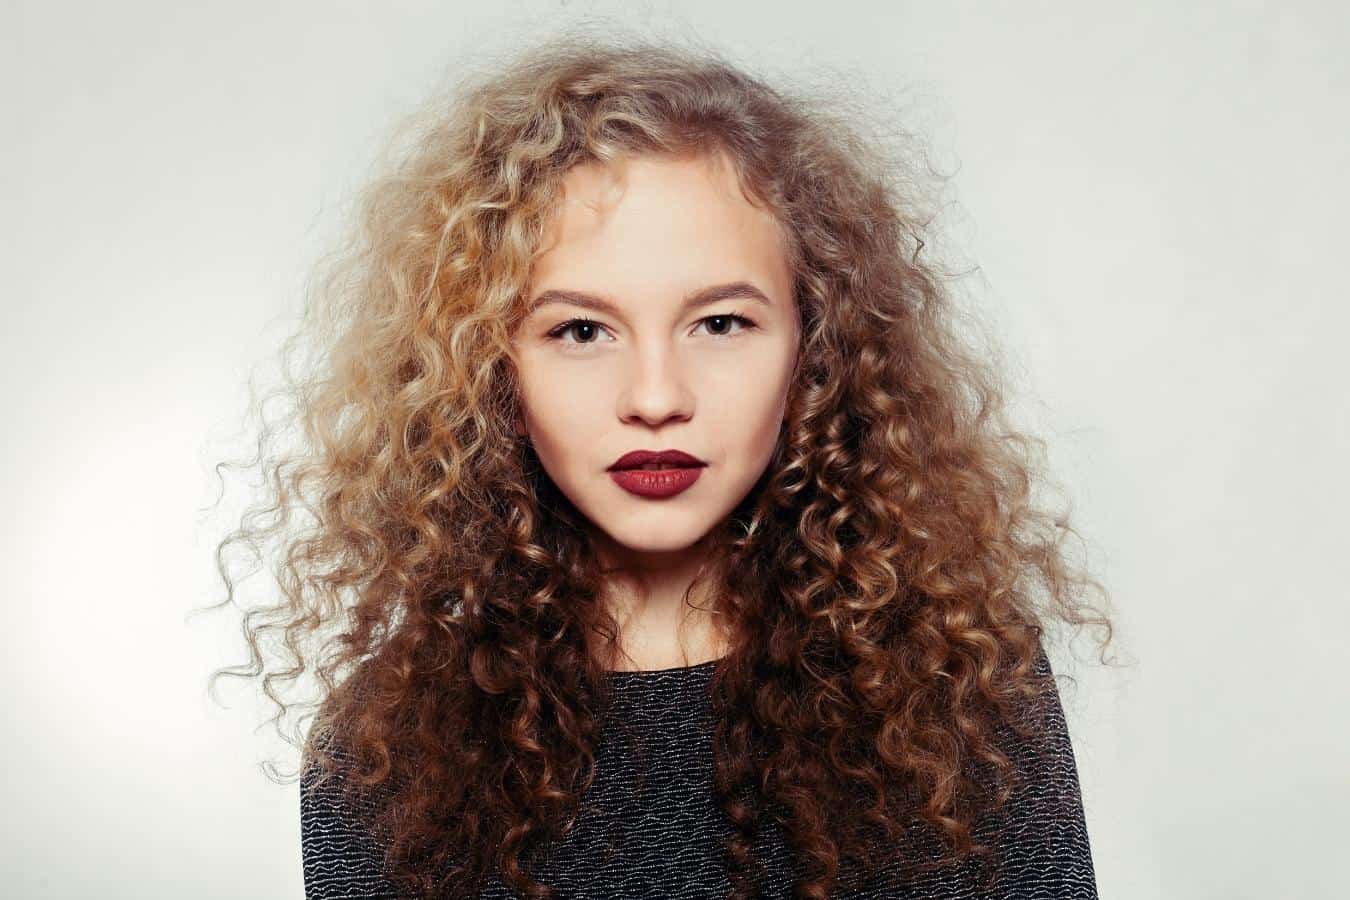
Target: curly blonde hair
{"points": [[885, 583]]}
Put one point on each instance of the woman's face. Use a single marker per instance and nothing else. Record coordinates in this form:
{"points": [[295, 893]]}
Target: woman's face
{"points": [[633, 249]]}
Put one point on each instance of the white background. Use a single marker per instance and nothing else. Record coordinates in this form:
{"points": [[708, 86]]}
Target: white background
{"points": [[1155, 195]]}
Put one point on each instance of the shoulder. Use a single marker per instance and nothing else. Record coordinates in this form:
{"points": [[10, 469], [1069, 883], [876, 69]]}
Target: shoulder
{"points": [[1041, 832], [340, 858]]}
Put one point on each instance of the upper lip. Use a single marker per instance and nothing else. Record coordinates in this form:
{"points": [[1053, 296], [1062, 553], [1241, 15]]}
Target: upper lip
{"points": [[635, 458]]}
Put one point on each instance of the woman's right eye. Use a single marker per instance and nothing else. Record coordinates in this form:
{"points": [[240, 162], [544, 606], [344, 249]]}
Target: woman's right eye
{"points": [[560, 330]]}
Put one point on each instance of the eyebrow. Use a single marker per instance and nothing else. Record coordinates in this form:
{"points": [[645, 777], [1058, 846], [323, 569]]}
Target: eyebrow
{"points": [[701, 297]]}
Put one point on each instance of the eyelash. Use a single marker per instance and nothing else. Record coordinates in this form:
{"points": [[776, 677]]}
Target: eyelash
{"points": [[558, 331]]}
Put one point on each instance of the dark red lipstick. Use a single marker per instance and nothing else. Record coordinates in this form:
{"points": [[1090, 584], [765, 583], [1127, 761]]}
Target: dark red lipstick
{"points": [[656, 473]]}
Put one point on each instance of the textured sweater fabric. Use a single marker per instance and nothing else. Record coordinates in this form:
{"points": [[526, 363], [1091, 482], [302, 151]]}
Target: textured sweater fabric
{"points": [[666, 841]]}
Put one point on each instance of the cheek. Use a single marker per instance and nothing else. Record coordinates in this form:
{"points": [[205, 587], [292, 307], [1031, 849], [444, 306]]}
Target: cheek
{"points": [[560, 416], [749, 416]]}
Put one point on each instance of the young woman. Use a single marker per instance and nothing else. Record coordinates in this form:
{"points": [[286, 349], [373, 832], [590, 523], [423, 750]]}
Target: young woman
{"points": [[664, 542]]}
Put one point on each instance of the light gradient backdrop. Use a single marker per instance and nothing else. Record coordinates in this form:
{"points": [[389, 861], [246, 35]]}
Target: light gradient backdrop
{"points": [[1155, 197]]}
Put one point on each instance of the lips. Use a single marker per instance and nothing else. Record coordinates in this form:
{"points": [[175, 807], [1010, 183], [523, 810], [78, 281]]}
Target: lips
{"points": [[667, 459], [657, 484]]}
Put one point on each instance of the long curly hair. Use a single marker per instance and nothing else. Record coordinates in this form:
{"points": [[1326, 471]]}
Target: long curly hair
{"points": [[885, 584]]}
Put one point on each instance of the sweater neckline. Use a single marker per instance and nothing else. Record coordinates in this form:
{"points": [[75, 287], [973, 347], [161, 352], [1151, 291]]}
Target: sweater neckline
{"points": [[644, 674]]}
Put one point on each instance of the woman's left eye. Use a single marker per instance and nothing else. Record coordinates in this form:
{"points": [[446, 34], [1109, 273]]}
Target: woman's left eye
{"points": [[745, 323]]}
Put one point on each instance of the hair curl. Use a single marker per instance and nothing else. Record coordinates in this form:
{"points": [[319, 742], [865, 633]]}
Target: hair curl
{"points": [[884, 583]]}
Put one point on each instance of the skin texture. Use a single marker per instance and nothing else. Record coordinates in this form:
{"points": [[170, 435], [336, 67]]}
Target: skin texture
{"points": [[643, 233]]}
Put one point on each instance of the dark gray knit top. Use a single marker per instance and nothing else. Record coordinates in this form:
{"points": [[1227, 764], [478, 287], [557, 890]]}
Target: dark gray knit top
{"points": [[667, 841]]}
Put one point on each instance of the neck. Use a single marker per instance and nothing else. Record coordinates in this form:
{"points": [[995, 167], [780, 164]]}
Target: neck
{"points": [[658, 627]]}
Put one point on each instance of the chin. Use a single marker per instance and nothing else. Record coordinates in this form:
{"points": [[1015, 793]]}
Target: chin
{"points": [[663, 536]]}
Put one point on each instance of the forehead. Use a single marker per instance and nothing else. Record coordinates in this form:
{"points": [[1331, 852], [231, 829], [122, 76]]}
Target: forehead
{"points": [[657, 219]]}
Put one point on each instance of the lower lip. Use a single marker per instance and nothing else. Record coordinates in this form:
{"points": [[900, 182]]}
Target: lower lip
{"points": [[656, 483]]}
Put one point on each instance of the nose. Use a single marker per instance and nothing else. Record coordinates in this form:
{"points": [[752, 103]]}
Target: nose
{"points": [[656, 390]]}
